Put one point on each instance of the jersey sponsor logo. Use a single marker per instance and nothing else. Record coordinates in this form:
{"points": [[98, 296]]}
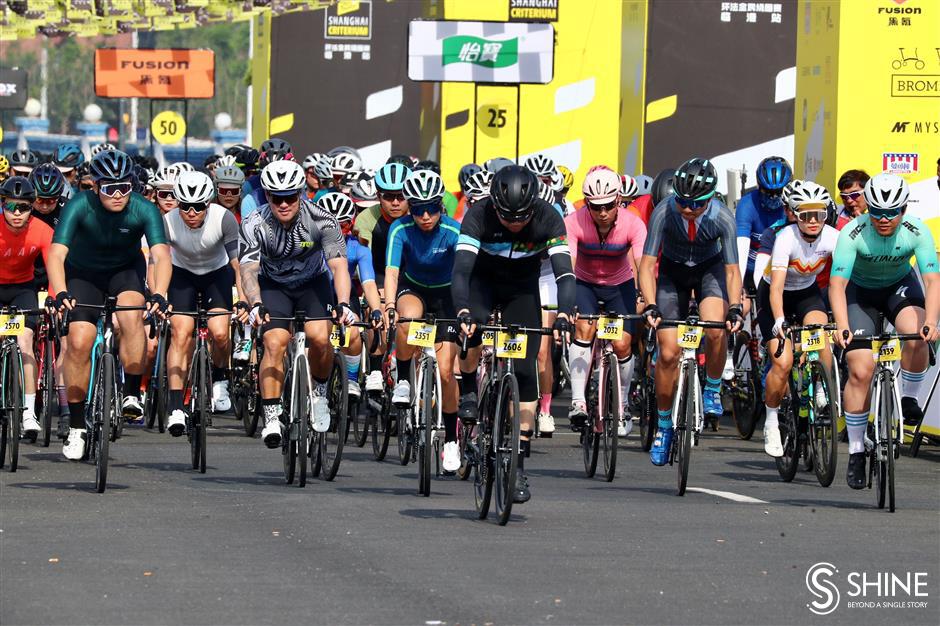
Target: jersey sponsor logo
{"points": [[920, 128], [807, 268], [857, 230], [911, 227], [885, 258], [306, 244], [124, 231], [902, 291]]}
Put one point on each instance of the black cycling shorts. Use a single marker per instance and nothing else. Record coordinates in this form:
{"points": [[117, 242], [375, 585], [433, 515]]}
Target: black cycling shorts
{"points": [[438, 302], [93, 287], [678, 282], [616, 299], [313, 298], [796, 303], [866, 305], [214, 289], [23, 296]]}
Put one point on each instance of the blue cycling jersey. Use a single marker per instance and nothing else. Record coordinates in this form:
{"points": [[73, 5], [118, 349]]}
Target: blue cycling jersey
{"points": [[752, 220], [425, 259], [252, 195], [360, 258]]}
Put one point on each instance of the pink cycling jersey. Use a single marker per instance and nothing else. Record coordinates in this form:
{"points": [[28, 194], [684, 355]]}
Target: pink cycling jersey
{"points": [[607, 262]]}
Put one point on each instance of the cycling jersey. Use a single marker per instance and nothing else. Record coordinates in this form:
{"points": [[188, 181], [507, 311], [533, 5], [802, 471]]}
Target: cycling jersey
{"points": [[19, 250], [801, 259], [604, 262], [668, 232], [872, 261], [250, 199], [425, 258], [752, 220], [450, 203], [100, 240], [291, 255], [373, 227], [642, 207], [360, 259], [204, 249]]}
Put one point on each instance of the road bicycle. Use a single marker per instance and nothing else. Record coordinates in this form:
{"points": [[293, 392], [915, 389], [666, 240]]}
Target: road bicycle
{"points": [[332, 441], [12, 400], [379, 404], [746, 387], [359, 413], [46, 396], [155, 399], [244, 379]]}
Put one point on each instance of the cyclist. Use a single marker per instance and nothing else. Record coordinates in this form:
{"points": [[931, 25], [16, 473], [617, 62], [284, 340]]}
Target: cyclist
{"points": [[497, 263], [313, 182], [606, 242], [789, 288], [463, 176], [344, 164], [567, 180], [228, 189], [360, 266], [163, 181], [696, 235], [373, 225], [637, 203], [287, 248], [852, 193], [22, 241], [872, 275], [95, 253], [203, 238], [273, 149], [4, 168], [23, 161], [418, 269], [363, 193], [757, 210], [67, 157], [48, 185]]}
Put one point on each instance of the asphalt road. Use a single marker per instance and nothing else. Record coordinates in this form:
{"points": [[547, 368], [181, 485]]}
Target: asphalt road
{"points": [[165, 544]]}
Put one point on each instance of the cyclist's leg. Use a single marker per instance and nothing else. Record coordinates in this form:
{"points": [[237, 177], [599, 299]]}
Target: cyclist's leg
{"points": [[864, 320], [216, 289], [181, 295], [905, 307], [712, 294], [86, 288], [775, 384], [128, 284], [481, 305], [548, 295], [579, 352], [621, 300], [408, 304]]}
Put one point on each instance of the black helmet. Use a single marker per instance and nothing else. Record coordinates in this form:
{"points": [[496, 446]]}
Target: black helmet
{"points": [[139, 178], [17, 188], [514, 190], [465, 173], [404, 159], [24, 158], [428, 164], [47, 180], [247, 159], [662, 185], [696, 179], [111, 165], [275, 149], [236, 149], [68, 155]]}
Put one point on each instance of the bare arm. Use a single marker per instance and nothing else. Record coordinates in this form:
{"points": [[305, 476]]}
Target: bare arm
{"points": [[341, 282], [55, 268], [238, 279], [733, 280], [646, 279], [249, 278], [162, 268], [932, 305], [839, 305], [778, 279], [391, 286]]}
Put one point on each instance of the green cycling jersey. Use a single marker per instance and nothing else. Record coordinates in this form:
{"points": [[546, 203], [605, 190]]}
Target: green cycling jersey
{"points": [[873, 261]]}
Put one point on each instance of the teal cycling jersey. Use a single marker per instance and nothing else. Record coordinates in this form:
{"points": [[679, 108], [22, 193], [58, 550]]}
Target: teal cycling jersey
{"points": [[426, 259], [872, 261]]}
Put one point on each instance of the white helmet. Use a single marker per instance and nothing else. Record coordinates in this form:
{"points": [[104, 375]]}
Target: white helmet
{"points": [[322, 169], [629, 187], [165, 177], [478, 185], [339, 205], [283, 176], [791, 187], [194, 187], [644, 184], [423, 186], [101, 147], [344, 163], [601, 185], [363, 192], [809, 195], [888, 192], [311, 160], [183, 166], [225, 160], [540, 165], [546, 193], [558, 180]]}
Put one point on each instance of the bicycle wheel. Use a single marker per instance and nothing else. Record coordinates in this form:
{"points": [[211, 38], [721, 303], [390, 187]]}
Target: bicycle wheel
{"points": [[289, 440], [360, 419], [405, 433], [300, 419], [506, 433], [426, 417], [105, 412], [205, 392], [611, 416], [788, 416], [47, 393], [648, 413], [822, 427], [331, 441], [746, 389], [379, 424], [464, 434], [884, 422], [482, 451], [683, 434], [590, 438], [14, 404]]}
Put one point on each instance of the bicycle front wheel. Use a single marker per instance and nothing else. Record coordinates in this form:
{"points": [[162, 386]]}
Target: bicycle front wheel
{"points": [[105, 412], [822, 428], [746, 389], [611, 416], [648, 413], [331, 441], [426, 407], [47, 392], [506, 434], [300, 419], [14, 403], [482, 450], [380, 425], [884, 422], [683, 435], [405, 434], [788, 416], [590, 437]]}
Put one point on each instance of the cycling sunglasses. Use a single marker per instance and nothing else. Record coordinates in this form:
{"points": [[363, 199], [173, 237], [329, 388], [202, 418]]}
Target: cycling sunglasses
{"points": [[812, 214], [193, 208], [115, 190], [432, 208], [772, 193], [229, 191], [851, 195], [278, 199], [391, 196], [884, 214], [691, 204], [610, 206], [165, 194], [17, 207]]}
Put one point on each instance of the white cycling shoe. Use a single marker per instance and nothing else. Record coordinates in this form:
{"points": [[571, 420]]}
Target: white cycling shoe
{"points": [[320, 411], [221, 402], [374, 381], [451, 457], [772, 443], [401, 396], [176, 423], [74, 446]]}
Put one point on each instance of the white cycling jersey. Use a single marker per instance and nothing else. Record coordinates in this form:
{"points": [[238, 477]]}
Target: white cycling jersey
{"points": [[204, 249], [801, 259]]}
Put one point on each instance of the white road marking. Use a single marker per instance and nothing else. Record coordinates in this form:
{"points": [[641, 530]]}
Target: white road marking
{"points": [[736, 497]]}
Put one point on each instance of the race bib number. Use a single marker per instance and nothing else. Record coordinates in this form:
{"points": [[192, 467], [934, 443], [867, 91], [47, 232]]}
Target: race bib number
{"points": [[13, 325], [690, 336], [42, 299], [610, 328], [511, 346], [886, 351], [421, 335], [334, 338], [489, 337], [813, 340]]}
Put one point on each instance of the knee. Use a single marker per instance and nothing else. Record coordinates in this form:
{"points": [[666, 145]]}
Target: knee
{"points": [[715, 337], [668, 356], [220, 336], [274, 347], [319, 343], [861, 370]]}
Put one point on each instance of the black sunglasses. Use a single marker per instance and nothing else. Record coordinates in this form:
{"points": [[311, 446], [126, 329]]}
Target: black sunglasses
{"points": [[286, 198], [193, 207]]}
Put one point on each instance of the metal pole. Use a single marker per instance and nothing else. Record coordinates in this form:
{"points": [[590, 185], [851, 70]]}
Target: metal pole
{"points": [[149, 132], [186, 134]]}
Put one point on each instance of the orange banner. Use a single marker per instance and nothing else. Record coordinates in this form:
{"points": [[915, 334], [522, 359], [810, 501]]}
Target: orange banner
{"points": [[170, 74]]}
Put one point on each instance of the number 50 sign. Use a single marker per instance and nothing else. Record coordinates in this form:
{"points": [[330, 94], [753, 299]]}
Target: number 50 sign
{"points": [[168, 127]]}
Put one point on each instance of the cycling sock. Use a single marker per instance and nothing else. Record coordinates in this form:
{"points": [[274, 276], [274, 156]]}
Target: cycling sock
{"points": [[352, 367], [30, 401], [468, 382], [911, 382], [132, 385], [665, 418], [578, 355], [404, 370], [219, 373], [525, 447], [856, 423], [77, 415], [450, 426], [175, 400], [63, 399], [272, 408], [712, 384], [771, 421], [545, 403], [626, 376], [375, 362]]}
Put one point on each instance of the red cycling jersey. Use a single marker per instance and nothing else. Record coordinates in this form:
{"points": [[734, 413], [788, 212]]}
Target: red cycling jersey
{"points": [[18, 251]]}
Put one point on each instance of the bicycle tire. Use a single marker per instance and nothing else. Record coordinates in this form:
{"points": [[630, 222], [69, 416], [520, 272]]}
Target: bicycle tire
{"points": [[506, 462], [426, 411], [886, 417], [47, 392], [288, 449], [380, 427], [332, 440], [464, 433], [746, 389], [822, 428], [205, 392], [483, 465], [788, 417], [359, 419], [300, 419], [611, 417], [648, 413], [105, 412], [15, 406], [405, 434], [683, 432], [590, 439]]}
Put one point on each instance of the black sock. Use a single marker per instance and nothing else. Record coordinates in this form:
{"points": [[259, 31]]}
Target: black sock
{"points": [[450, 427], [77, 414], [132, 385], [219, 373], [375, 362], [175, 400], [524, 447], [404, 370], [468, 383]]}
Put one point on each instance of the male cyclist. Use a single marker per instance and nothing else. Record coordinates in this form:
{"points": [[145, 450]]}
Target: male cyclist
{"points": [[313, 181], [67, 157], [373, 225], [287, 250], [96, 253], [757, 210], [872, 277], [852, 193], [273, 149], [696, 235]]}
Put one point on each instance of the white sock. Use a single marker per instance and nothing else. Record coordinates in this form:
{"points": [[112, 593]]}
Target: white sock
{"points": [[855, 424], [911, 382], [30, 401], [771, 421], [272, 411], [578, 356], [626, 377]]}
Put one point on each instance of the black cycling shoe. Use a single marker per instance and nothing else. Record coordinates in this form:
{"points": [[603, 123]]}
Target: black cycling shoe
{"points": [[521, 493], [62, 430], [467, 410], [855, 474], [913, 415]]}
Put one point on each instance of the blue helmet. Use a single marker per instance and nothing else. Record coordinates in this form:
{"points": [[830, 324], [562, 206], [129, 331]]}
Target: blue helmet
{"points": [[68, 156], [391, 177], [111, 165], [47, 180], [773, 174]]}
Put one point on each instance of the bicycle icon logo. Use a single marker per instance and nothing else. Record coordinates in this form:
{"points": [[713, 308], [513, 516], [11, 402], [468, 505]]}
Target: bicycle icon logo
{"points": [[914, 60]]}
